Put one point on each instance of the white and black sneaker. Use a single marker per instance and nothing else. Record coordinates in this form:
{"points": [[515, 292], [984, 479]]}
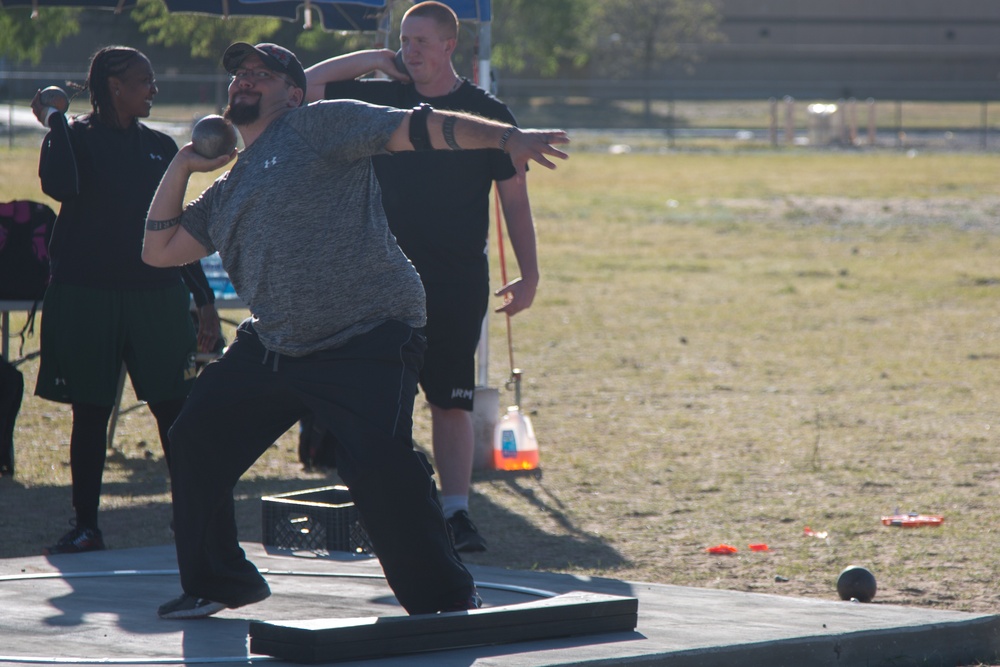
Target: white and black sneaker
{"points": [[188, 607]]}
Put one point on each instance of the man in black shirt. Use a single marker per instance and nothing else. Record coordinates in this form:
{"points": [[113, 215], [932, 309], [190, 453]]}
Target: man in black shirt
{"points": [[437, 203]]}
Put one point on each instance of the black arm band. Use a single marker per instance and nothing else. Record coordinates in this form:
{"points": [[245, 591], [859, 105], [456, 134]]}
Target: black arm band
{"points": [[160, 225], [419, 136]]}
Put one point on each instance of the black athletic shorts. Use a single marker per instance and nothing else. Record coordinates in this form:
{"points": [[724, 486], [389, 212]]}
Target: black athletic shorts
{"points": [[455, 315], [88, 333]]}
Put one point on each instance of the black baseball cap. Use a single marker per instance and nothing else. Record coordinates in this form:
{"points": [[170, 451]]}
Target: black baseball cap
{"points": [[275, 58]]}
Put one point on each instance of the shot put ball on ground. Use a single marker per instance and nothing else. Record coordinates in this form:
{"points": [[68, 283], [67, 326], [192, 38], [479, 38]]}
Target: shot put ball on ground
{"points": [[856, 583]]}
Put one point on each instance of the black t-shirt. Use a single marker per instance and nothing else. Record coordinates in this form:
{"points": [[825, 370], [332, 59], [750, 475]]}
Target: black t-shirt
{"points": [[104, 179], [437, 202]]}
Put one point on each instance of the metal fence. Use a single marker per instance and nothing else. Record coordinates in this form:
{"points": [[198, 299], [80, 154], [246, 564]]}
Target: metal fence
{"points": [[623, 109]]}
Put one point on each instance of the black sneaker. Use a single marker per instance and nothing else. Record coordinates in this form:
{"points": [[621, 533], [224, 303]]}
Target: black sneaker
{"points": [[189, 606], [464, 534], [76, 541]]}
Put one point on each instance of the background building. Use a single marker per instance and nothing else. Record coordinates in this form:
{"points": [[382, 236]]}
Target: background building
{"points": [[889, 49], [942, 50]]}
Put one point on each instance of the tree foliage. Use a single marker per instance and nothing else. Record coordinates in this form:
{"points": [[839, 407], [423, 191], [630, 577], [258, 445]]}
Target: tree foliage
{"points": [[540, 36], [206, 37], [641, 35], [23, 39]]}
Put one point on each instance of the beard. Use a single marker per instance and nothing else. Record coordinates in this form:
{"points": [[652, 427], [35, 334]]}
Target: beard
{"points": [[242, 113]]}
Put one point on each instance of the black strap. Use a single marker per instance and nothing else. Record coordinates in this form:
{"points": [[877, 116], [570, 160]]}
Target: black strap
{"points": [[419, 136], [27, 331]]}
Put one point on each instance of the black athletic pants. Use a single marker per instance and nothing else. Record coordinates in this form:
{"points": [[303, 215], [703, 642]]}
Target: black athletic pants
{"points": [[363, 392]]}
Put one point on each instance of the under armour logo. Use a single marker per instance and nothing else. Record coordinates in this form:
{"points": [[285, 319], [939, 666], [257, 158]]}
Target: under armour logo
{"points": [[270, 163], [154, 156], [61, 381], [283, 56]]}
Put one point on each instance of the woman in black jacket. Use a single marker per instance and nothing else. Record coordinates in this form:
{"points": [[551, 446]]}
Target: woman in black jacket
{"points": [[104, 306]]}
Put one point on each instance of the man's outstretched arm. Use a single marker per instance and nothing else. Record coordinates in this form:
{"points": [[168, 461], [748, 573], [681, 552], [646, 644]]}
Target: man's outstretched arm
{"points": [[430, 129]]}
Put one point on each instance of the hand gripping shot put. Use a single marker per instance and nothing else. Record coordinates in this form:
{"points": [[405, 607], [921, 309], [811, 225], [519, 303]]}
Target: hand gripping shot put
{"points": [[213, 136]]}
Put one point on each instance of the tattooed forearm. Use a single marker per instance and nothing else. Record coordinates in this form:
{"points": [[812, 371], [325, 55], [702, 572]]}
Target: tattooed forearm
{"points": [[448, 129], [160, 225]]}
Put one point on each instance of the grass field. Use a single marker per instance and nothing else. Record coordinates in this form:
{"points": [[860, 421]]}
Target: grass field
{"points": [[725, 348]]}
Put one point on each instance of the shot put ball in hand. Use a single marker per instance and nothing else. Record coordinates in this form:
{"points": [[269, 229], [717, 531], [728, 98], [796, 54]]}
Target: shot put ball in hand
{"points": [[54, 97], [398, 62], [213, 136]]}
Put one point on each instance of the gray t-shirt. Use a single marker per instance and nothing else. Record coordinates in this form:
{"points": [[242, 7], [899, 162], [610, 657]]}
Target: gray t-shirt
{"points": [[299, 225]]}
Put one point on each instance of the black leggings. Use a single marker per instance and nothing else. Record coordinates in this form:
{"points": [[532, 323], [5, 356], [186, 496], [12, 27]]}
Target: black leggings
{"points": [[88, 451]]}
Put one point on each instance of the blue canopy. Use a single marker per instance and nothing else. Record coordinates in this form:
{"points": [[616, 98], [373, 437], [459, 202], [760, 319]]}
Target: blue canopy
{"points": [[116, 5], [357, 15], [470, 10], [351, 15]]}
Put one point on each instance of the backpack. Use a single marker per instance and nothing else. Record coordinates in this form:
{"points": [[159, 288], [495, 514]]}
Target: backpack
{"points": [[25, 232]]}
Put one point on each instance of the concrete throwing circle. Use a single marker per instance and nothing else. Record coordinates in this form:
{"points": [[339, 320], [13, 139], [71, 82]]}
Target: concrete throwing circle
{"points": [[245, 658]]}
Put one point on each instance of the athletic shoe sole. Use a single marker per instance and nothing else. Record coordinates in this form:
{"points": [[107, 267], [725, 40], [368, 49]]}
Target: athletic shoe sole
{"points": [[203, 609]]}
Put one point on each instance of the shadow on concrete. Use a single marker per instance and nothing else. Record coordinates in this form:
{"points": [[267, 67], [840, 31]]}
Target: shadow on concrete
{"points": [[39, 515]]}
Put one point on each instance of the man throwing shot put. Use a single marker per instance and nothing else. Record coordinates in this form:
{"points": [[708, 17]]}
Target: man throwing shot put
{"points": [[336, 310]]}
